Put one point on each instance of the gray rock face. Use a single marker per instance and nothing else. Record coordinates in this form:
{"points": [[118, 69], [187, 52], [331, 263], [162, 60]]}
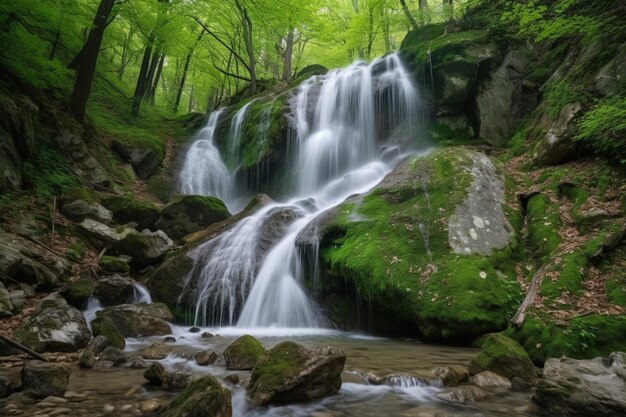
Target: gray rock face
{"points": [[463, 394], [478, 225], [81, 160], [274, 226], [488, 379], [43, 379], [185, 214], [611, 79], [10, 381], [292, 373], [595, 387], [6, 306], [81, 209], [114, 290], [157, 350], [55, 326], [155, 374], [558, 146], [143, 159], [137, 320], [504, 99]]}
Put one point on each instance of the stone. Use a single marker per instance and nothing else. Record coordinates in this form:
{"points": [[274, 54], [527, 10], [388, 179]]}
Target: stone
{"points": [[185, 214], [463, 394], [98, 344], [136, 320], [114, 290], [590, 388], [451, 375], [150, 406], [169, 339], [155, 374], [205, 357], [81, 161], [611, 79], [205, 397], [138, 363], [243, 353], [488, 379], [80, 209], [6, 306], [42, 379], [176, 380], [144, 160], [114, 355], [504, 356], [207, 335], [157, 350], [194, 329], [10, 380], [105, 327], [55, 326], [127, 209], [289, 373], [558, 145], [77, 293], [232, 379], [114, 264], [87, 359], [518, 384]]}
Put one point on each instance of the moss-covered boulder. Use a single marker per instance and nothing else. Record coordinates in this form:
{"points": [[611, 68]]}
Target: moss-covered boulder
{"points": [[126, 209], [78, 292], [289, 373], [106, 327], [185, 214], [114, 290], [504, 356], [136, 320], [430, 250], [43, 379], [243, 353], [113, 264], [205, 397]]}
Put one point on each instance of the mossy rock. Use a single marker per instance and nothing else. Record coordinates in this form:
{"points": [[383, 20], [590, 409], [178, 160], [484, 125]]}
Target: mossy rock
{"points": [[167, 283], [205, 397], [126, 209], [78, 292], [114, 264], [105, 327], [79, 193], [243, 353], [504, 356], [583, 337], [185, 214]]}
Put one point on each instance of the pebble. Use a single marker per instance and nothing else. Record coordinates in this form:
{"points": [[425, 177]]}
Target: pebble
{"points": [[73, 394], [108, 408], [57, 400], [126, 407], [149, 406], [14, 412], [60, 411]]}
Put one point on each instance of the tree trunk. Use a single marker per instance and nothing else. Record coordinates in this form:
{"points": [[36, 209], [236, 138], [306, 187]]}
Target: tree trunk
{"points": [[140, 88], [125, 58], [408, 14], [183, 77], [155, 84], [246, 24], [287, 57], [154, 63], [89, 58]]}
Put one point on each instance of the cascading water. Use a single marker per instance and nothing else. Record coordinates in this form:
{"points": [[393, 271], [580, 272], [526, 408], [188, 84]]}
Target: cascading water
{"points": [[236, 132], [338, 152]]}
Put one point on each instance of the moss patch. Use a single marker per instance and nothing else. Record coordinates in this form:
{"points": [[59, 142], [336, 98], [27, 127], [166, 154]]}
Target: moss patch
{"points": [[78, 292], [202, 397], [281, 363], [104, 326], [114, 264], [243, 353], [127, 209], [504, 356]]}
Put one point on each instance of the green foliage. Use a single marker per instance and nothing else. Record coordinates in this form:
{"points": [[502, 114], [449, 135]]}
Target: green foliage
{"points": [[48, 171], [557, 94], [603, 128]]}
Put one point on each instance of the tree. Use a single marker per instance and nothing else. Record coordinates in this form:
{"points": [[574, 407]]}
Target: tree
{"points": [[408, 14], [89, 58]]}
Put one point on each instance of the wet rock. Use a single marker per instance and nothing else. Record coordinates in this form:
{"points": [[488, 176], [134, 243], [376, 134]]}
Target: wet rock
{"points": [[150, 406], [273, 229], [232, 379], [611, 79], [157, 350], [138, 363], [202, 398], [504, 356], [114, 264], [558, 145], [126, 209], [155, 374], [98, 344], [136, 320], [114, 290], [243, 353], [77, 293], [145, 161], [100, 364], [489, 379], [87, 359], [169, 339], [106, 328], [292, 373], [463, 394], [54, 326], [10, 381], [194, 329], [176, 380], [206, 335], [185, 214], [205, 357], [451, 375], [42, 379], [114, 355], [518, 384], [594, 387]]}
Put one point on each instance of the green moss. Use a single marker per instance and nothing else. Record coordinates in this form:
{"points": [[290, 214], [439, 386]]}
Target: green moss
{"points": [[104, 326], [48, 171], [114, 264], [202, 397], [80, 193], [504, 356], [78, 292], [281, 362], [571, 271], [75, 252], [543, 224], [243, 353], [127, 209], [616, 290]]}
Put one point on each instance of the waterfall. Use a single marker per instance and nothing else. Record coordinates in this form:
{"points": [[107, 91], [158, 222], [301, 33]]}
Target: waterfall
{"points": [[346, 139], [235, 133], [204, 171]]}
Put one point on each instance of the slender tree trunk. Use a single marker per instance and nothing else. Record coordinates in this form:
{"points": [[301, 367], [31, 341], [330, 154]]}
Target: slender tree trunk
{"points": [[154, 63], [386, 31], [125, 54], [246, 25], [408, 14], [140, 88], [87, 69], [183, 77], [190, 103], [156, 79], [370, 31], [287, 57]]}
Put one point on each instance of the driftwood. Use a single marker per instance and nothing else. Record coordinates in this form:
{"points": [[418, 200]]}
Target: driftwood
{"points": [[23, 348], [519, 317]]}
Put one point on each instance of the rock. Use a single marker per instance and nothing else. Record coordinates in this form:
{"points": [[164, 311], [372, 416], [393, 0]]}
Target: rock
{"points": [[594, 387], [176, 380], [504, 356], [595, 215], [185, 214], [155, 374], [504, 99], [10, 381], [114, 290], [138, 363], [54, 326], [611, 79], [149, 406], [478, 225], [114, 355], [81, 206], [232, 379], [17, 298], [144, 160], [81, 161], [275, 224], [451, 375], [146, 247], [194, 329], [136, 320], [205, 357], [126, 209], [291, 373], [169, 339], [113, 264], [100, 364], [207, 335], [42, 379], [518, 384], [87, 359], [205, 397], [558, 145], [105, 327], [77, 293], [6, 306], [157, 350], [243, 353], [463, 394], [488, 379]]}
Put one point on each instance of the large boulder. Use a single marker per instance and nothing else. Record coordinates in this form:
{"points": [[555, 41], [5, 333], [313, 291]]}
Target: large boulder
{"points": [[205, 397], [292, 373], [243, 353], [143, 158], [136, 320], [595, 387], [114, 290], [611, 79], [504, 356], [126, 209], [463, 394], [44, 379], [80, 203], [55, 326], [81, 160], [146, 247], [185, 214], [558, 145], [10, 380], [78, 292]]}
